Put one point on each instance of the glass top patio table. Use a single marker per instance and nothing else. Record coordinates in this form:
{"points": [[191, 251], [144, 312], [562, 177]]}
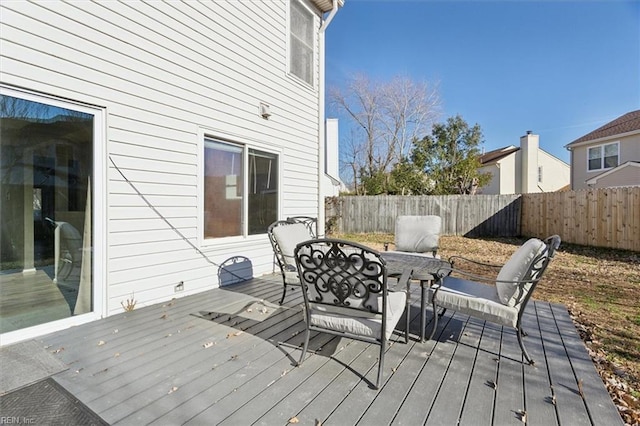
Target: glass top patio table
{"points": [[424, 269]]}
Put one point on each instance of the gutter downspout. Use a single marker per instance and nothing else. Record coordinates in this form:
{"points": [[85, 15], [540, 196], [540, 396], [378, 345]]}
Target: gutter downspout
{"points": [[321, 118]]}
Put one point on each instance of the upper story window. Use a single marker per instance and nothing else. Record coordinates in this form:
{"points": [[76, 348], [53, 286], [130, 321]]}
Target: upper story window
{"points": [[240, 186], [301, 41], [603, 156], [539, 174]]}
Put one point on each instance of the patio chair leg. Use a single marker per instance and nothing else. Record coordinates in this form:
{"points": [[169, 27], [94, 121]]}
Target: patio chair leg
{"points": [[406, 327], [304, 348], [435, 320], [520, 334], [380, 364], [284, 293]]}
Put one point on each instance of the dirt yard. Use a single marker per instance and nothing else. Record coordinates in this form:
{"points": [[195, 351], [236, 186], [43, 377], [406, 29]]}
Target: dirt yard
{"points": [[601, 289]]}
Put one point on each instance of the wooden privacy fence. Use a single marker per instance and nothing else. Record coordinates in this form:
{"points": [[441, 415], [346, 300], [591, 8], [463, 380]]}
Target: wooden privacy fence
{"points": [[607, 217], [471, 215]]}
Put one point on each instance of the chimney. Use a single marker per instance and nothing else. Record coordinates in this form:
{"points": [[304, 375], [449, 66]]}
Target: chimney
{"points": [[529, 146]]}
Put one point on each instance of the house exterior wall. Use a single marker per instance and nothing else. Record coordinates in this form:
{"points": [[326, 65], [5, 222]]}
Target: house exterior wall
{"points": [[508, 176], [629, 151], [493, 187], [504, 176], [167, 74], [555, 172], [626, 176]]}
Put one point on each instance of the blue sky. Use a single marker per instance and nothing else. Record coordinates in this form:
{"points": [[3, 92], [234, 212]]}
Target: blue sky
{"points": [[558, 68]]}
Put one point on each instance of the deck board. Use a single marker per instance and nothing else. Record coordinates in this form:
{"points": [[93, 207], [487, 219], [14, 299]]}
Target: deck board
{"points": [[563, 381], [446, 410], [537, 388], [155, 369]]}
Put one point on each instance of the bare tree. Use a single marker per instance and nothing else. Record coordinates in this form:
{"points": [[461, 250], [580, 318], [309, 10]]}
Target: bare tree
{"points": [[385, 118], [351, 159]]}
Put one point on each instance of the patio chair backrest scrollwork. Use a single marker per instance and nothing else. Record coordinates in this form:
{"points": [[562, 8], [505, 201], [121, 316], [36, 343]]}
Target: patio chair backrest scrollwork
{"points": [[310, 222], [345, 293]]}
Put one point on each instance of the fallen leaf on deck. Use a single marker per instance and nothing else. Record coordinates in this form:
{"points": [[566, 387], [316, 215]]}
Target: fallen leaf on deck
{"points": [[208, 345], [116, 355], [172, 390], [101, 342], [58, 350], [522, 415], [294, 420], [164, 316]]}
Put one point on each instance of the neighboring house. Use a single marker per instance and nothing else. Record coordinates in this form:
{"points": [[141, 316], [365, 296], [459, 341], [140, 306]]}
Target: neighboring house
{"points": [[524, 169], [609, 156], [166, 135]]}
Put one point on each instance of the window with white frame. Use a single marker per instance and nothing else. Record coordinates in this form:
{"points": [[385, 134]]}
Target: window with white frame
{"points": [[603, 156], [240, 187], [539, 174], [301, 41]]}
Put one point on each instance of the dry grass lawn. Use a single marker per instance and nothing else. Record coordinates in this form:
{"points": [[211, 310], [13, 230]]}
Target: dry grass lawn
{"points": [[601, 289]]}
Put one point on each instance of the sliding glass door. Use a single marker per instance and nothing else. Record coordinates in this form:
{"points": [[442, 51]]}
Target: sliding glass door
{"points": [[46, 193]]}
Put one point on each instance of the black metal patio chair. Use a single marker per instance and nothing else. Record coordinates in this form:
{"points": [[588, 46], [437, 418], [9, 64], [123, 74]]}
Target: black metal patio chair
{"points": [[345, 293], [284, 235], [501, 299], [419, 235]]}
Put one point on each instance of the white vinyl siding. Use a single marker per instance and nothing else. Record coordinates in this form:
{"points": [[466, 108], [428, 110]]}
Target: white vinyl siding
{"points": [[162, 71]]}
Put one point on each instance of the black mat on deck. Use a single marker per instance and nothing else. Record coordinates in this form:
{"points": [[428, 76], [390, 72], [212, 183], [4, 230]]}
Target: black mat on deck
{"points": [[46, 403]]}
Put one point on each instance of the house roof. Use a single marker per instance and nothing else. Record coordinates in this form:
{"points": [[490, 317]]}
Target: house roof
{"points": [[614, 170], [626, 123], [497, 154]]}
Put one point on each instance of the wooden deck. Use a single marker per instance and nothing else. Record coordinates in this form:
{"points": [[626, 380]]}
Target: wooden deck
{"points": [[228, 357]]}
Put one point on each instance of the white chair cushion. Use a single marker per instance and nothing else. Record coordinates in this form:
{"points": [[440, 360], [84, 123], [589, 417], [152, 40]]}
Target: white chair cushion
{"points": [[515, 270], [417, 233], [291, 276], [476, 299], [288, 237], [359, 322]]}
